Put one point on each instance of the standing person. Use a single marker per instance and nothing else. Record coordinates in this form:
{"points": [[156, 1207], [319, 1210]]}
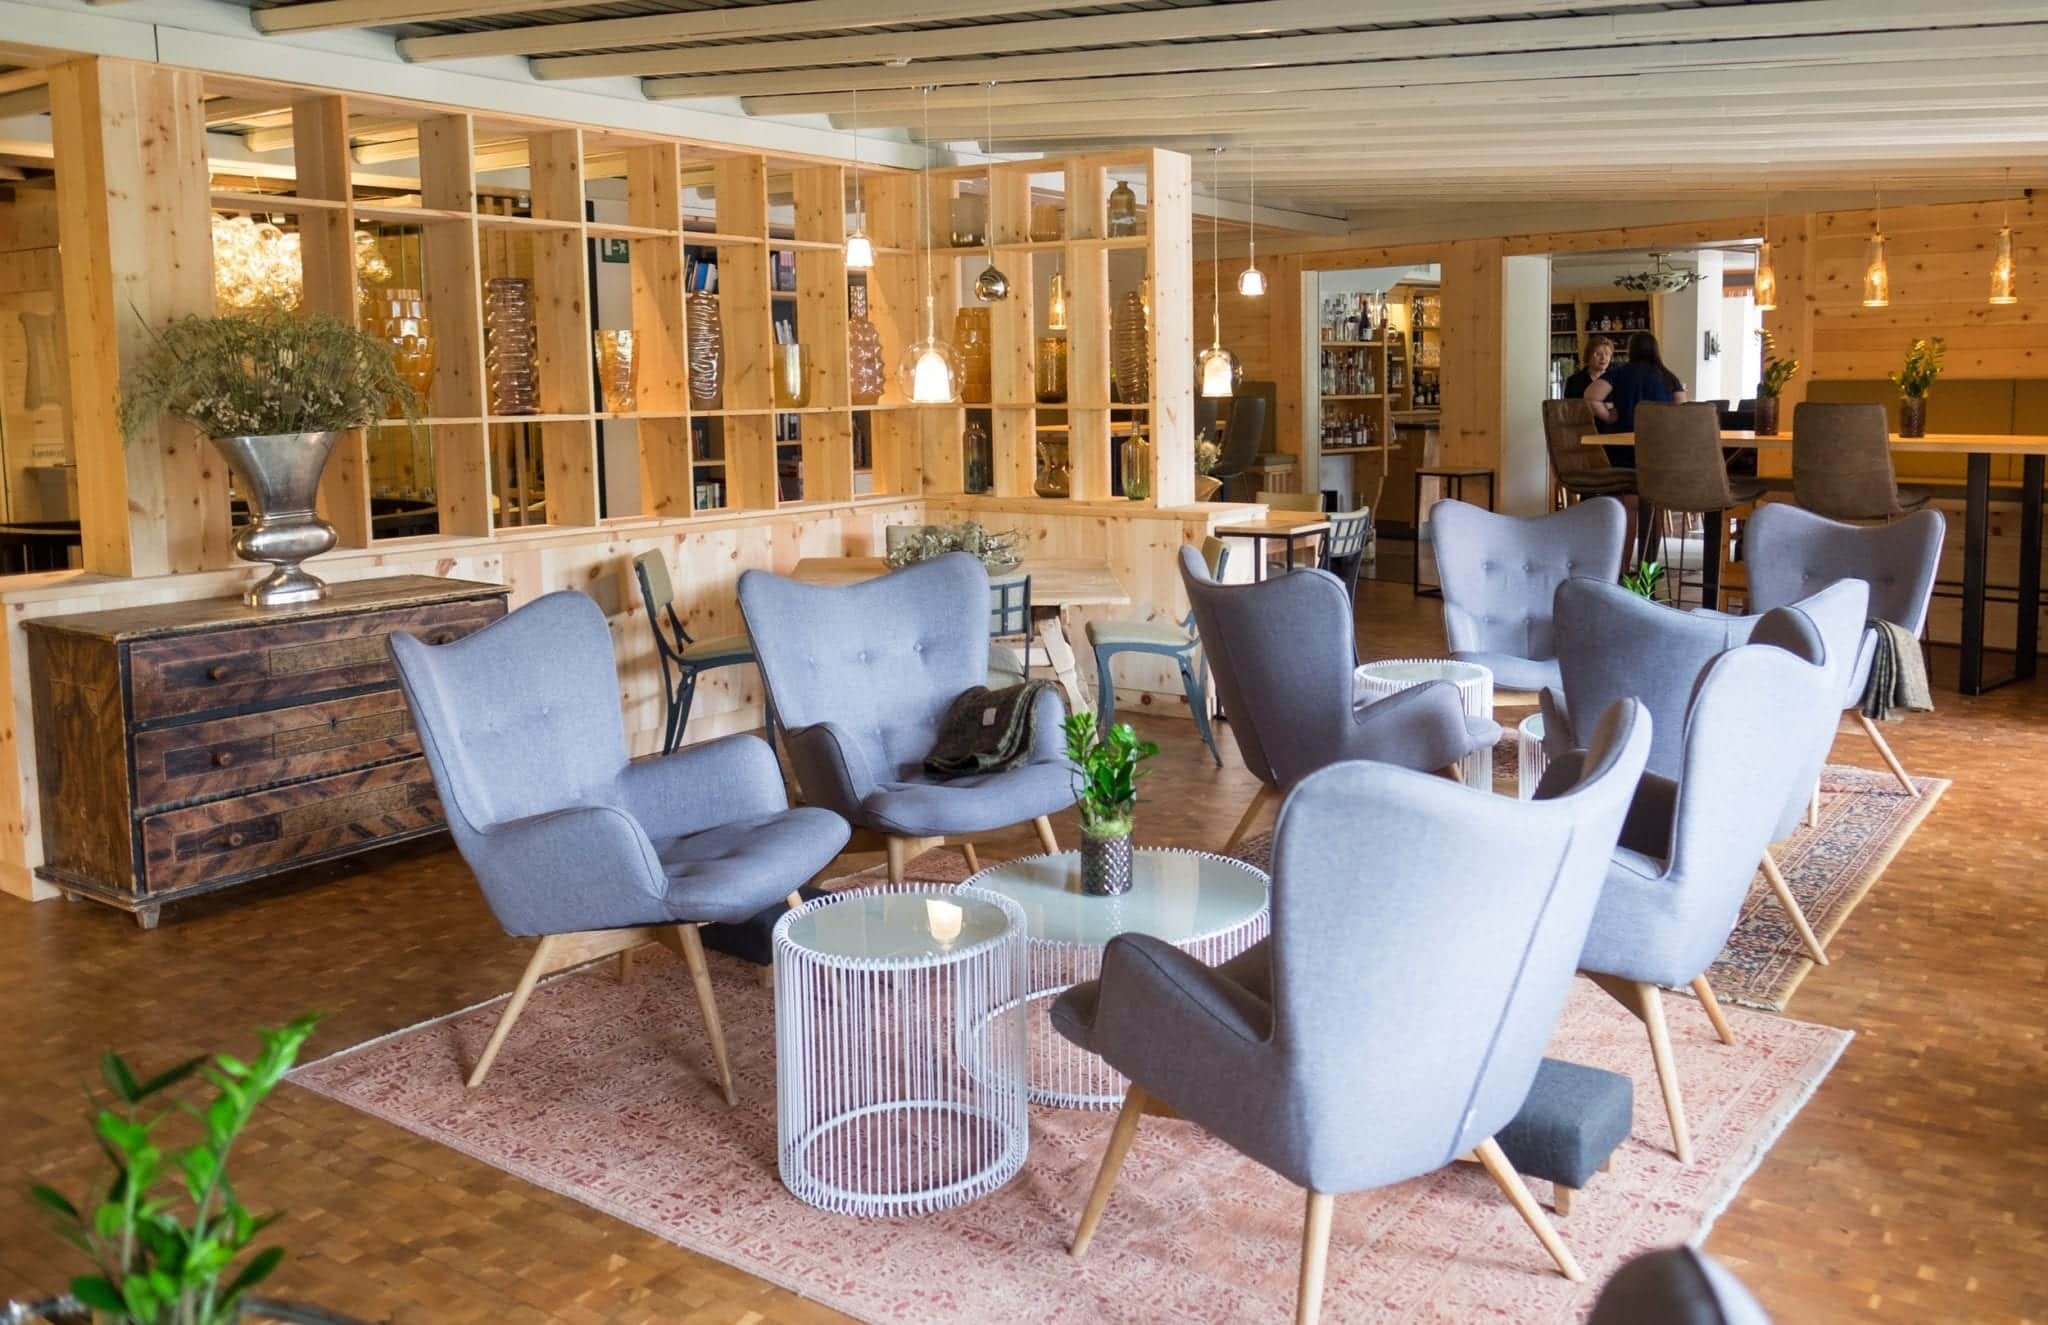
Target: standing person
{"points": [[1592, 367], [1614, 397]]}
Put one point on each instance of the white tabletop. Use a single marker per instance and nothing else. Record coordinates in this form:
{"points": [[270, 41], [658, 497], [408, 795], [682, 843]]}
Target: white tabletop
{"points": [[1421, 671], [1175, 895], [918, 925]]}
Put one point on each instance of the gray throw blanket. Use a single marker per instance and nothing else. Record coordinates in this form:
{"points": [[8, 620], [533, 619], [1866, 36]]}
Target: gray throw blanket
{"points": [[1898, 674], [985, 731]]}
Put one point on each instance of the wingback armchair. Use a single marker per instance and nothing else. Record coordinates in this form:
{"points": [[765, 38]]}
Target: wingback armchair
{"points": [[1394, 1019], [1791, 553], [861, 676], [1615, 644], [1691, 844], [1283, 653], [570, 841], [1500, 575]]}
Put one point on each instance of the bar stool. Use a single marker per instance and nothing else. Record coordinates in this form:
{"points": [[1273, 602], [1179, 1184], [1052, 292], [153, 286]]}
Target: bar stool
{"points": [[1680, 470], [1842, 463], [1581, 471]]}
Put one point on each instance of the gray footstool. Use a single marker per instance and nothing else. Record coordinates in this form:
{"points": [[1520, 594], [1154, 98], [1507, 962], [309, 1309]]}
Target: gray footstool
{"points": [[1569, 1126]]}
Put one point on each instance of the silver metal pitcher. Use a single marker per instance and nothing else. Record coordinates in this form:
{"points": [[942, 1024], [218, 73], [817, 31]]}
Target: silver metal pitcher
{"points": [[281, 474]]}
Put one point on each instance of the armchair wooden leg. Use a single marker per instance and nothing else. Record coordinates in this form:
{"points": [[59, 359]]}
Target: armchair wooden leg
{"points": [[1511, 1185], [1045, 835], [1120, 1138], [685, 943], [545, 958], [903, 850], [1647, 1003], [1561, 1198], [1251, 815], [1792, 911], [1884, 750], [1813, 806], [973, 861], [1453, 772], [1315, 1256], [626, 966], [1705, 993]]}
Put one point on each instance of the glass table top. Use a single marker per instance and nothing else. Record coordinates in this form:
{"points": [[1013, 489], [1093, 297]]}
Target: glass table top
{"points": [[922, 924], [1416, 671], [1175, 895]]}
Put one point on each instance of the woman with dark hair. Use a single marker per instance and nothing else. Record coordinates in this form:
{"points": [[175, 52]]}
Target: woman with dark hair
{"points": [[1614, 397]]}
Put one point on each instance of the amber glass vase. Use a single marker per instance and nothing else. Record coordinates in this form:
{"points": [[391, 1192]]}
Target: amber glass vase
{"points": [[1054, 478], [509, 338], [399, 317], [1128, 334], [1052, 370], [971, 338], [867, 369]]}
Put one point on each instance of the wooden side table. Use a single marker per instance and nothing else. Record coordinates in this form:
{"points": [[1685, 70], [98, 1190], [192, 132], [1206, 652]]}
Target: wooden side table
{"points": [[1454, 481], [1283, 527]]}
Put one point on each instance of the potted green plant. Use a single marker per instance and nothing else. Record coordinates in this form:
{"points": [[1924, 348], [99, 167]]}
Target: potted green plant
{"points": [[1777, 372], [169, 1237], [1644, 579], [1106, 777], [274, 390], [1915, 380]]}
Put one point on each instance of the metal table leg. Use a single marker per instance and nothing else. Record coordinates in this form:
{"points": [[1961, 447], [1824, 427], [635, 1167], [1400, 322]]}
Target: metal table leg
{"points": [[2027, 637], [1976, 558]]}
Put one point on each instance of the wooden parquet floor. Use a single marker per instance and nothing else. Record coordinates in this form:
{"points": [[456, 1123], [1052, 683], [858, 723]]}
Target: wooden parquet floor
{"points": [[1911, 1188]]}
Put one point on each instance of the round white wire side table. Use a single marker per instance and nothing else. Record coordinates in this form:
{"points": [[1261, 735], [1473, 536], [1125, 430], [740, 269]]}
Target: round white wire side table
{"points": [[1376, 680], [899, 1049], [1530, 758], [1212, 907]]}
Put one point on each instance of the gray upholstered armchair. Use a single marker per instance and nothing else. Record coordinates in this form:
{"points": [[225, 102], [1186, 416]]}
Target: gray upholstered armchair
{"points": [[1676, 1286], [1692, 841], [570, 841], [1618, 645], [1394, 1019], [1500, 575], [861, 675], [1791, 553], [1283, 653]]}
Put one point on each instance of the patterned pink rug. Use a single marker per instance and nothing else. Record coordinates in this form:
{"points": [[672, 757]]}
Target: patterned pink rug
{"points": [[603, 1094]]}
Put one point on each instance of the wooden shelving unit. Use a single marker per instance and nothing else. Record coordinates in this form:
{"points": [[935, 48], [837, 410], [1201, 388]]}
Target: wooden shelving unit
{"points": [[1351, 403]]}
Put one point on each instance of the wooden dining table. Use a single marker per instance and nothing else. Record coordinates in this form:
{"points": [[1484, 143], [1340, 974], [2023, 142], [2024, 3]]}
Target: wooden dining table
{"points": [[1057, 585], [1977, 449]]}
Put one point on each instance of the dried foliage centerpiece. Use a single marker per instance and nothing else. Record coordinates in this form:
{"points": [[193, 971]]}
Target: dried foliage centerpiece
{"points": [[274, 390], [998, 552]]}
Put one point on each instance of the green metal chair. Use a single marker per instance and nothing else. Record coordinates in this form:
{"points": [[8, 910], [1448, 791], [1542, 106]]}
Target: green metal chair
{"points": [[1344, 548], [682, 658], [1009, 618], [1168, 639]]}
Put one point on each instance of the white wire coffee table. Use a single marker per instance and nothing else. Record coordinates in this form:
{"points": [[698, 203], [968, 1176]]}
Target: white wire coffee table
{"points": [[1211, 907], [899, 1048], [1377, 680]]}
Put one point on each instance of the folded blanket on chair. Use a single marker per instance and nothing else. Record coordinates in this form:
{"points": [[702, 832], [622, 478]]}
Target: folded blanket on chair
{"points": [[1898, 674], [985, 731]]}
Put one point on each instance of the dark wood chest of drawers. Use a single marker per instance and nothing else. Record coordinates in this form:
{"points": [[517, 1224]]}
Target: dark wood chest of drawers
{"points": [[187, 747]]}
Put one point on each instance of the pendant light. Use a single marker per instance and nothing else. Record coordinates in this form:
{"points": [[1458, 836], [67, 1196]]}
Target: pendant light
{"points": [[1056, 310], [860, 252], [930, 369], [2004, 277], [1215, 368], [1877, 278], [1766, 274], [1251, 282], [991, 285]]}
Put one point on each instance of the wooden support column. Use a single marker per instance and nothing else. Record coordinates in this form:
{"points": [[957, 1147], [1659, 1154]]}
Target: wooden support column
{"points": [[132, 195], [1473, 287], [1171, 272]]}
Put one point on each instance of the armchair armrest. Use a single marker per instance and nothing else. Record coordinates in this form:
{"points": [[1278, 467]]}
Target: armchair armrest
{"points": [[1048, 727], [703, 786], [1422, 728], [585, 867], [1155, 985], [831, 770]]}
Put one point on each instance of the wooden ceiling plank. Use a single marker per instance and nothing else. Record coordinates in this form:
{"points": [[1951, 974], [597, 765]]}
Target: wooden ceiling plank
{"points": [[327, 15]]}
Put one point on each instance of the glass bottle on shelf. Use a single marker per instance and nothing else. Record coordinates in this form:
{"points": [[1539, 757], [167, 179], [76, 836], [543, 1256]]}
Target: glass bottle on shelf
{"points": [[1053, 478], [970, 220], [972, 330], [1123, 211], [977, 458], [1052, 370], [1137, 458], [867, 369]]}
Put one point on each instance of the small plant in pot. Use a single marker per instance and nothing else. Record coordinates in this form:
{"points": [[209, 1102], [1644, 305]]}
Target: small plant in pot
{"points": [[1777, 372], [1643, 579], [1915, 380], [1106, 777], [274, 390], [168, 1237]]}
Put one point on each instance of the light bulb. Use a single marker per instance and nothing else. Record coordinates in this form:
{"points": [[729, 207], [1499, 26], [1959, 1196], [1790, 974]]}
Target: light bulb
{"points": [[930, 373], [860, 253], [944, 919], [1766, 281], [1877, 279], [1218, 368], [1056, 311], [2003, 275], [1251, 282]]}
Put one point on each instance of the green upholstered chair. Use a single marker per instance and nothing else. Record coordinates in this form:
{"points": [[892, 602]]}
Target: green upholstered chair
{"points": [[682, 658], [1168, 639]]}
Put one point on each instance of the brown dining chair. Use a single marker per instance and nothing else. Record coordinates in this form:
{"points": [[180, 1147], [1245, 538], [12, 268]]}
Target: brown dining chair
{"points": [[1842, 463], [1680, 471], [1582, 471]]}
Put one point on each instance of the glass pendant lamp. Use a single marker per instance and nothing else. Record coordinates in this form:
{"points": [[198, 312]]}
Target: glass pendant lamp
{"points": [[1251, 282], [930, 369], [1216, 369], [2004, 275], [1056, 307], [1877, 277], [1766, 274], [860, 252]]}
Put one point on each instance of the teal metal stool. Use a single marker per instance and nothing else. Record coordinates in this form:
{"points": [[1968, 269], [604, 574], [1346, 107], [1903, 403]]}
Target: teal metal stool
{"points": [[682, 658], [1175, 640]]}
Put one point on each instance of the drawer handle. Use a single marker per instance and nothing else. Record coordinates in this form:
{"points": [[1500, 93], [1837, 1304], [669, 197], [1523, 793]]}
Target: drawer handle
{"points": [[236, 839], [222, 758], [217, 671]]}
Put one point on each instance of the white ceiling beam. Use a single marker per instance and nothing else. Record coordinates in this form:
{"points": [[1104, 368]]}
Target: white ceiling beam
{"points": [[1188, 24], [828, 90]]}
